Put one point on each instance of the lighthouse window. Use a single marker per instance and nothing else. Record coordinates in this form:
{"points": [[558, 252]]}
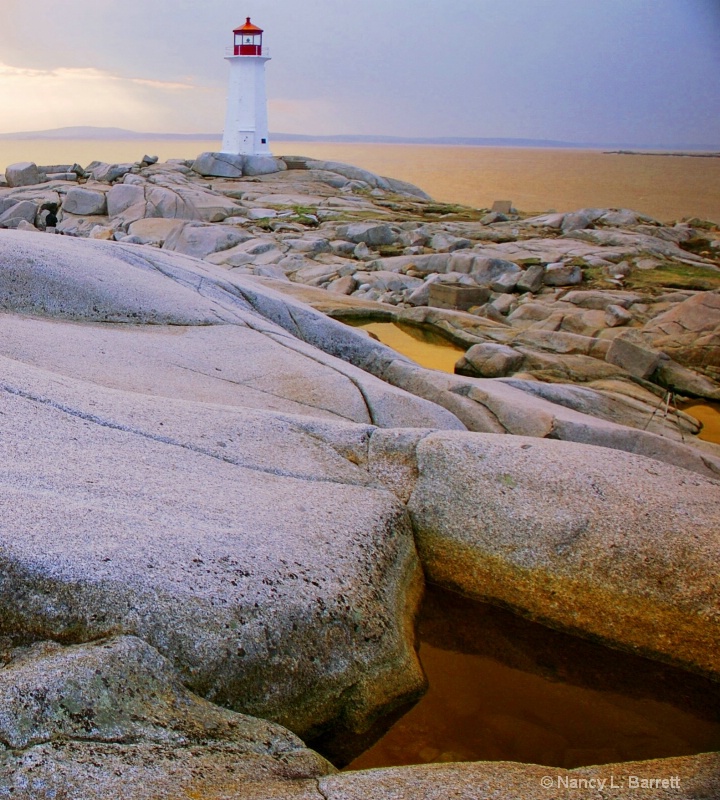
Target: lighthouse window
{"points": [[263, 141]]}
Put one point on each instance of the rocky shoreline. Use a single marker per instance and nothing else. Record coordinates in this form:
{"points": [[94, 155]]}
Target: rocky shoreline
{"points": [[221, 501]]}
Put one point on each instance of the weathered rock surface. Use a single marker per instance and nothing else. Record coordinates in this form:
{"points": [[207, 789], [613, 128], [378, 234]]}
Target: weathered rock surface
{"points": [[223, 474], [597, 543], [213, 552], [688, 778], [111, 719]]}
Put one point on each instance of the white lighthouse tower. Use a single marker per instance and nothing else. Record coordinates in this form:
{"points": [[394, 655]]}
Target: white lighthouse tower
{"points": [[246, 122]]}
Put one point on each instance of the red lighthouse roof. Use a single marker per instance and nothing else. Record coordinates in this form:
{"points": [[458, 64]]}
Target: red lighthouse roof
{"points": [[248, 27]]}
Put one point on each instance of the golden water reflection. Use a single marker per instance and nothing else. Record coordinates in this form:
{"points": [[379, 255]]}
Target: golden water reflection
{"points": [[504, 689], [709, 414], [433, 351], [430, 350]]}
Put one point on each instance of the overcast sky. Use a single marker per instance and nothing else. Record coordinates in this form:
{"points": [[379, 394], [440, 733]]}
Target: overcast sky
{"points": [[635, 71]]}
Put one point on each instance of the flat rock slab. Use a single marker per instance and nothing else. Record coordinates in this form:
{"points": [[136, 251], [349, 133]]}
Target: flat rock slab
{"points": [[593, 541], [228, 364], [693, 778], [684, 778], [101, 282]]}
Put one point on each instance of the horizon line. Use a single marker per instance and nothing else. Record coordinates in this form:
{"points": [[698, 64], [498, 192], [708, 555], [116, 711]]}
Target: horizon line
{"points": [[92, 131]]}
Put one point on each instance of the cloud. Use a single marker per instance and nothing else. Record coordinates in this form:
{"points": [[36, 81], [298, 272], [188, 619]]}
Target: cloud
{"points": [[47, 98]]}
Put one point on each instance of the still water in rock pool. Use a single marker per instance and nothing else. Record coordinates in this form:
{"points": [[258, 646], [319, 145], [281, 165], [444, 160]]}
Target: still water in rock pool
{"points": [[433, 351], [709, 415], [428, 349], [505, 689], [502, 688]]}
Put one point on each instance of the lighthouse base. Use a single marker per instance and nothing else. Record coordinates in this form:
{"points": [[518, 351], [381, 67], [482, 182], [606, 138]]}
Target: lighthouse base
{"points": [[245, 143]]}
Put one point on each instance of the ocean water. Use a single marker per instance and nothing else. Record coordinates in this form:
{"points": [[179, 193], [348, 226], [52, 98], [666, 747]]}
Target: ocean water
{"points": [[665, 187]]}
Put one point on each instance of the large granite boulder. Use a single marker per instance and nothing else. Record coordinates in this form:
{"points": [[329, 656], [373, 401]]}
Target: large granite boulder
{"points": [[350, 172], [255, 551], [596, 542], [283, 591]]}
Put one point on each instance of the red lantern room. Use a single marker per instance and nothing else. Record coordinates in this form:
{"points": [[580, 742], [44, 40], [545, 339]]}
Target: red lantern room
{"points": [[248, 40]]}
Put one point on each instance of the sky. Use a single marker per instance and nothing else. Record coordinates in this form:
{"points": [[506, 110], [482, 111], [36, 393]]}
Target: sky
{"points": [[598, 71]]}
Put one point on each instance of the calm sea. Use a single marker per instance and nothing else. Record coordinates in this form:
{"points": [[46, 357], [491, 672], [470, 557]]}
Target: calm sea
{"points": [[665, 187]]}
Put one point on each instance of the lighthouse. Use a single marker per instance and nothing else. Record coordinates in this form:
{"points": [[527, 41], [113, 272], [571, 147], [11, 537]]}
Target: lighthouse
{"points": [[246, 123]]}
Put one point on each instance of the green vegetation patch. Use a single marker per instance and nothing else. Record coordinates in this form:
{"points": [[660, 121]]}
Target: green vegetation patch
{"points": [[672, 275]]}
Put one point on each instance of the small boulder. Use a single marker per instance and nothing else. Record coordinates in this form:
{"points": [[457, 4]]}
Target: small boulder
{"points": [[24, 173], [108, 173], [505, 283], [615, 316], [199, 240], [489, 361], [312, 245], [638, 360], [561, 274], [219, 165], [345, 285], [493, 217], [504, 303], [488, 270], [85, 202], [262, 165], [457, 297], [532, 279], [24, 210], [62, 176], [370, 233], [261, 213], [122, 196], [580, 220], [363, 253]]}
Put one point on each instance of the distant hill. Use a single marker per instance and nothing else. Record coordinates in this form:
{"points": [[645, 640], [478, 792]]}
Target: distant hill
{"points": [[113, 134], [90, 132]]}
